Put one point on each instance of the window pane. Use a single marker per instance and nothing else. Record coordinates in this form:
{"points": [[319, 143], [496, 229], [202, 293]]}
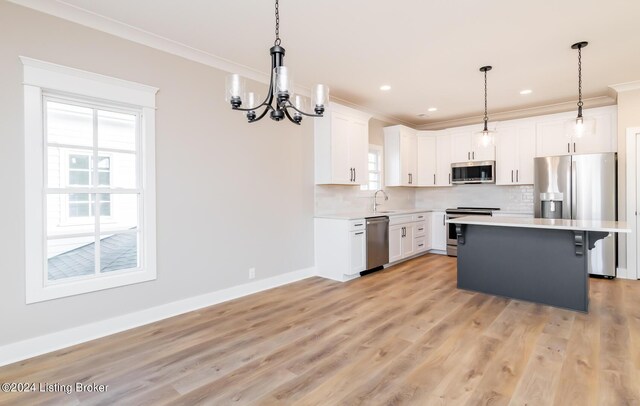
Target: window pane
{"points": [[374, 177], [104, 163], [70, 257], [69, 124], [373, 186], [104, 178], [118, 251], [372, 166], [118, 211], [79, 162], [69, 214], [79, 178], [116, 130]]}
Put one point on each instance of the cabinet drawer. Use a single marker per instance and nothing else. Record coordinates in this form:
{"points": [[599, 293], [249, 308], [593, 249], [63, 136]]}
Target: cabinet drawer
{"points": [[400, 220], [421, 244], [421, 229], [420, 216], [359, 224]]}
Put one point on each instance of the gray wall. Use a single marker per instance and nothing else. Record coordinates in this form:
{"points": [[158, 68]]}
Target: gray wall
{"points": [[229, 195]]}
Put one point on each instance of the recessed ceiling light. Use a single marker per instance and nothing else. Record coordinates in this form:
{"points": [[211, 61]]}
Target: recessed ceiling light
{"points": [[384, 88], [526, 91], [432, 109]]}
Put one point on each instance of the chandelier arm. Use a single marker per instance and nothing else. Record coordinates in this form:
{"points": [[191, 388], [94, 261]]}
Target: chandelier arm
{"points": [[286, 113], [288, 104], [264, 113]]}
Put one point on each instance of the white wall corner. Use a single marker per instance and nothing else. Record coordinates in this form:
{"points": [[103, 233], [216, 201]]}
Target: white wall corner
{"points": [[32, 347]]}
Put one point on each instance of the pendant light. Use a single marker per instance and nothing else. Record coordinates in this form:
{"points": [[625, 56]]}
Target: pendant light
{"points": [[486, 135], [580, 126], [280, 100]]}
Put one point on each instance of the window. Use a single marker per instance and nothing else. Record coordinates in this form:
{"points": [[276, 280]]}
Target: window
{"points": [[375, 168], [90, 190]]}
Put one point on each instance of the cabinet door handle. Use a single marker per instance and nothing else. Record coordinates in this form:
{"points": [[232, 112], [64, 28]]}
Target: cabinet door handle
{"points": [[361, 232], [443, 220], [420, 229], [517, 173], [420, 245], [358, 225], [449, 178], [350, 174], [468, 156], [512, 175], [474, 154], [434, 178], [354, 174], [574, 147], [568, 147]]}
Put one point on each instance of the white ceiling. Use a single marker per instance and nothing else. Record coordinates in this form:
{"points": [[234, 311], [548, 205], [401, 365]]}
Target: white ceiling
{"points": [[428, 51]]}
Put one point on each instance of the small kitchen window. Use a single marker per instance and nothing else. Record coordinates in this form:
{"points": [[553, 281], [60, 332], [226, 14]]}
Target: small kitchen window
{"points": [[374, 165], [90, 181]]}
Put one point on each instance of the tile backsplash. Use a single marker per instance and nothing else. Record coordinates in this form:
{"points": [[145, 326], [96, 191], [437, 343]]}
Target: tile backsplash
{"points": [[332, 199], [348, 199], [508, 198]]}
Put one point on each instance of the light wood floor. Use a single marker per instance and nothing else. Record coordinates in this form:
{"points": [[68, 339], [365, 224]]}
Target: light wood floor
{"points": [[402, 336]]}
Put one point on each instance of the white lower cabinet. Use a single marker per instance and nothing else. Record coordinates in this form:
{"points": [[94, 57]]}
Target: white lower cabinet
{"points": [[438, 231], [409, 235], [340, 248], [357, 252]]}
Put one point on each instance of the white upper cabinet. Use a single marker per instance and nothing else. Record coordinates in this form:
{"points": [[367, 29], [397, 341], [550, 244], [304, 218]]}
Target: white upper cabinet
{"points": [[341, 146], [427, 158], [554, 135], [434, 158], [443, 159], [515, 150], [400, 156], [467, 145]]}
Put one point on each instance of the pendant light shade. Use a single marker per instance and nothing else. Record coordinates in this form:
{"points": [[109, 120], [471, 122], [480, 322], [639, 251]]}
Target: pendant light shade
{"points": [[487, 137], [580, 126]]}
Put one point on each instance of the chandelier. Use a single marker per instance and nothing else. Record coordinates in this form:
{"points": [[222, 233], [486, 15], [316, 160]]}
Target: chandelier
{"points": [[280, 101]]}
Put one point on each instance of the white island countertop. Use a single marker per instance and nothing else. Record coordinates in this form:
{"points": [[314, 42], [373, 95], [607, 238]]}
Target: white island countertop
{"points": [[553, 224]]}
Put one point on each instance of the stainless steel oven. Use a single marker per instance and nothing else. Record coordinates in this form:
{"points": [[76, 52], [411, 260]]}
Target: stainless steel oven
{"points": [[452, 237]]}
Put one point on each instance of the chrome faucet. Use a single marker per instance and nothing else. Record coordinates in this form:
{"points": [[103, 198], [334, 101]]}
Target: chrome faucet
{"points": [[375, 199]]}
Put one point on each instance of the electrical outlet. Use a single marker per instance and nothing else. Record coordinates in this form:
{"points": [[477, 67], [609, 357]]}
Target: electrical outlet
{"points": [[252, 273]]}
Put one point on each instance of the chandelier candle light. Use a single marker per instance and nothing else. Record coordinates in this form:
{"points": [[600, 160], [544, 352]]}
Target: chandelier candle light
{"points": [[280, 101], [487, 135]]}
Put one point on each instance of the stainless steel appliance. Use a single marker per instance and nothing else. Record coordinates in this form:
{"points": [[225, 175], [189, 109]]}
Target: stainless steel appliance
{"points": [[452, 237], [473, 172], [580, 187], [377, 242]]}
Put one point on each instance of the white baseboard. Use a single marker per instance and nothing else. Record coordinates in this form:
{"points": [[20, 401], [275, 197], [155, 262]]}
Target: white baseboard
{"points": [[32, 347]]}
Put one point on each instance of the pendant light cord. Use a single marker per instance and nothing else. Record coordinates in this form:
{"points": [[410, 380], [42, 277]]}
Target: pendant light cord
{"points": [[580, 77], [486, 118], [277, 41]]}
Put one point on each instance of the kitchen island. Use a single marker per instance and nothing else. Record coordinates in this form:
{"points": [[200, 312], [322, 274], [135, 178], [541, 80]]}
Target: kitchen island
{"points": [[539, 260]]}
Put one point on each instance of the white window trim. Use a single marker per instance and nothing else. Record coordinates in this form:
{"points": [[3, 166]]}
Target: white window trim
{"points": [[39, 77]]}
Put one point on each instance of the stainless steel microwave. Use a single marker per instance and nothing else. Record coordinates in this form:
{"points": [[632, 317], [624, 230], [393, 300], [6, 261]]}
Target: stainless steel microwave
{"points": [[473, 172]]}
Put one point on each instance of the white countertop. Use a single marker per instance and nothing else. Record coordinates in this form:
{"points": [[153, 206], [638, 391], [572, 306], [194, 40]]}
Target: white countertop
{"points": [[381, 212], [559, 224]]}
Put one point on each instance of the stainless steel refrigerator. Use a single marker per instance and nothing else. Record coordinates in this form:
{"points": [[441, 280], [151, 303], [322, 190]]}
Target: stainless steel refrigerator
{"points": [[580, 187]]}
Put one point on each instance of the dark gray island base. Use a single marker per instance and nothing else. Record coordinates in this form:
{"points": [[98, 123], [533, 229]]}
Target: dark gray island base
{"points": [[540, 265]]}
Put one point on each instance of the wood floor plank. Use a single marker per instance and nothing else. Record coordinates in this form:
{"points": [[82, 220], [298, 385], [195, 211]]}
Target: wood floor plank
{"points": [[405, 335]]}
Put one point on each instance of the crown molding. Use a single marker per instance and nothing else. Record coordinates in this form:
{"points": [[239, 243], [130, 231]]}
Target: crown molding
{"points": [[599, 101], [69, 12], [625, 87]]}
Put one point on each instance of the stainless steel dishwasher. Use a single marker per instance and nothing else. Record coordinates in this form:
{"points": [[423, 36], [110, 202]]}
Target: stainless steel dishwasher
{"points": [[377, 242]]}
